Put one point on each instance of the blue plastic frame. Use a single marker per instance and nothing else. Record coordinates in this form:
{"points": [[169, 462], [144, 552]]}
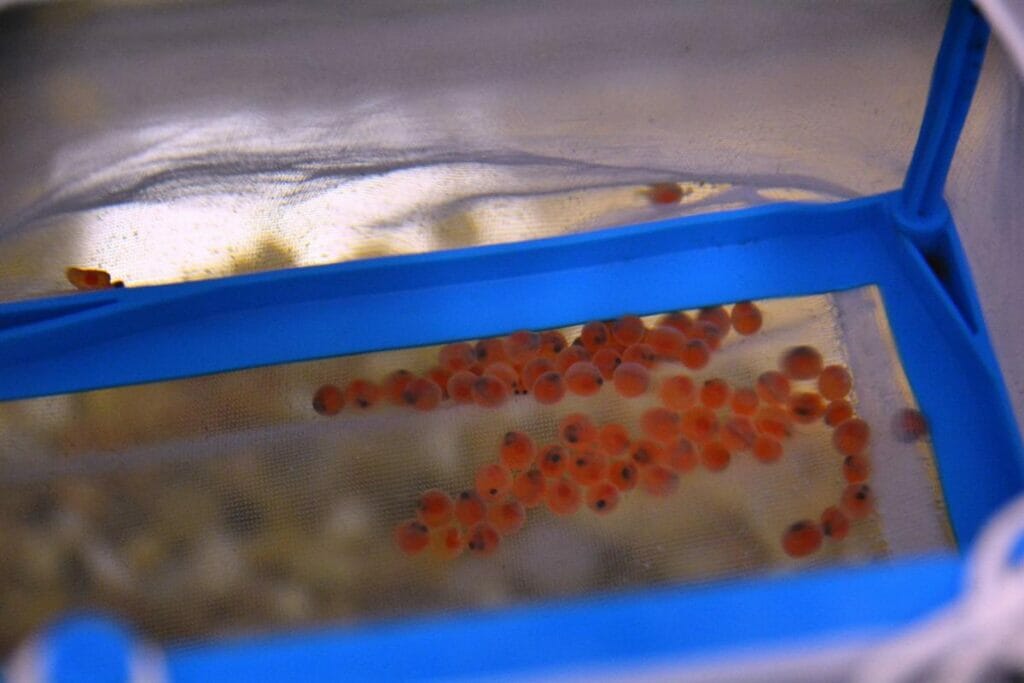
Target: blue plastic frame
{"points": [[667, 626], [905, 242], [678, 625]]}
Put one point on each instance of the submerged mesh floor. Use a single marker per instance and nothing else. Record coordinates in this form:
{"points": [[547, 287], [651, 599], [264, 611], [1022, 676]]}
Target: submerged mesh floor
{"points": [[226, 504]]}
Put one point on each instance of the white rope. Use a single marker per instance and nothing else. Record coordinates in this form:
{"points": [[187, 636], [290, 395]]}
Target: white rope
{"points": [[980, 631]]}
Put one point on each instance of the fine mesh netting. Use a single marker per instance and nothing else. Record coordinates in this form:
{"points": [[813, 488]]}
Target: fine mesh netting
{"points": [[186, 141], [239, 502]]}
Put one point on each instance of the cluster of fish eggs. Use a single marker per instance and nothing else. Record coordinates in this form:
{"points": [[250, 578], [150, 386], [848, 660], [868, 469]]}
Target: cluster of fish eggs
{"points": [[592, 466]]}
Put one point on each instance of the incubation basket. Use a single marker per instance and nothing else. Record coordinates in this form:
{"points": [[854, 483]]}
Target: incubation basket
{"points": [[730, 416]]}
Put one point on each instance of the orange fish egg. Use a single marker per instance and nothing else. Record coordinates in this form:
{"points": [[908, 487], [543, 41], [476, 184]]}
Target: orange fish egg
{"points": [[534, 369], [421, 394], [678, 320], [549, 388], [681, 456], [851, 437], [707, 332], [909, 425], [595, 335], [801, 539], [576, 429], [460, 386], [664, 193], [695, 354], [606, 360], [440, 377], [658, 481], [631, 380], [412, 537], [505, 373], [435, 508], [622, 474], [801, 362], [552, 461], [457, 356], [714, 456], [89, 279], [857, 501], [717, 316], [448, 543], [773, 387], [698, 423], [645, 453], [773, 422], [394, 384], [746, 318], [587, 466], [508, 517], [613, 439], [677, 392], [483, 540], [661, 424], [640, 353], [744, 402], [569, 356], [715, 393], [806, 407], [521, 347], [667, 342], [602, 497], [834, 382], [583, 379], [362, 394], [489, 392], [737, 434], [517, 451], [562, 497], [552, 343], [328, 400], [528, 487], [470, 508], [489, 351], [493, 482], [627, 330], [834, 524], [838, 412], [767, 449], [856, 469]]}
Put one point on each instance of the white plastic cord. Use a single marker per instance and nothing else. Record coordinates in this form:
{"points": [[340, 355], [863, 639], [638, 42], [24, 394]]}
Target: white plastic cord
{"points": [[979, 633]]}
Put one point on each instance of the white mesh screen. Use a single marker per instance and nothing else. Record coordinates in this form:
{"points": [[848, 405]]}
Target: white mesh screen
{"points": [[175, 142]]}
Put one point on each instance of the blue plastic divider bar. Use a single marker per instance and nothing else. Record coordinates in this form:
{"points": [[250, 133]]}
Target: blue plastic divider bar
{"points": [[953, 81], [145, 334], [629, 629]]}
